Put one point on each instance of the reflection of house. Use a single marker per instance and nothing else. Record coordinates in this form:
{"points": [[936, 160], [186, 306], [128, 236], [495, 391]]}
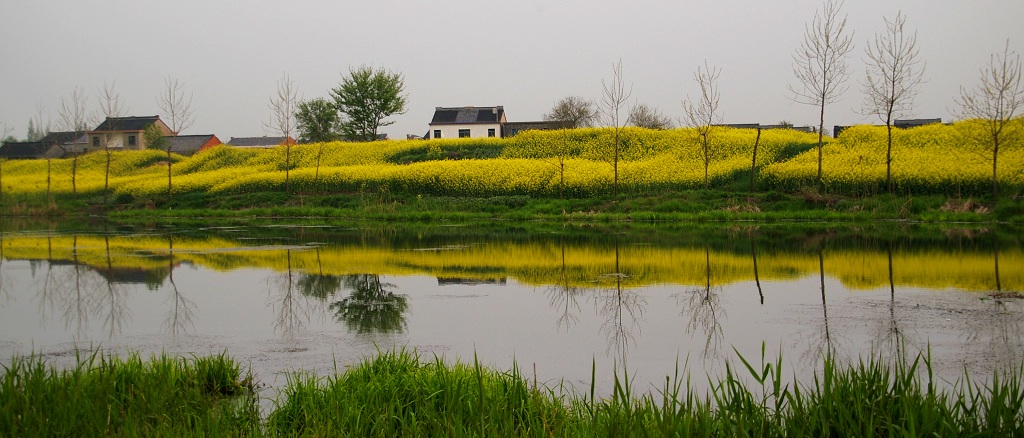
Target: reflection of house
{"points": [[124, 132], [259, 142], [190, 144], [467, 121], [451, 281]]}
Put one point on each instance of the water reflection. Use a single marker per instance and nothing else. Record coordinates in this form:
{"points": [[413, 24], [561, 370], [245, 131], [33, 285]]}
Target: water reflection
{"points": [[372, 306], [182, 309], [614, 294], [620, 307], [702, 306]]}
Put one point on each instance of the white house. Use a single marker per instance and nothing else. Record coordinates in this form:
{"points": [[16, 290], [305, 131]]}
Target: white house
{"points": [[467, 121]]}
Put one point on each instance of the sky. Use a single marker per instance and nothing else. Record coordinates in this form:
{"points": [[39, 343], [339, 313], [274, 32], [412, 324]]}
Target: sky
{"points": [[524, 55]]}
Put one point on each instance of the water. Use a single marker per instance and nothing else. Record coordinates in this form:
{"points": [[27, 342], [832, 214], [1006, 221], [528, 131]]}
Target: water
{"points": [[556, 300]]}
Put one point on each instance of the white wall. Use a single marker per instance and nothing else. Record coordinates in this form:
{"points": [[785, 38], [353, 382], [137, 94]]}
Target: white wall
{"points": [[476, 130]]}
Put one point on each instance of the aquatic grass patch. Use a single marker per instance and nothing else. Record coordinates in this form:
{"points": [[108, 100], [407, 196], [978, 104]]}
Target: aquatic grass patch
{"points": [[395, 394], [104, 396]]}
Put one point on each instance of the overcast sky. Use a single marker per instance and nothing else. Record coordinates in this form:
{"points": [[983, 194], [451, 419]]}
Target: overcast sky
{"points": [[523, 54]]}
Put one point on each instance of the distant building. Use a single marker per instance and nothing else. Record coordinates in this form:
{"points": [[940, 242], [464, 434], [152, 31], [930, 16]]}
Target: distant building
{"points": [[190, 144], [898, 123], [53, 145], [510, 129], [124, 132], [467, 122], [480, 122], [23, 150], [259, 142]]}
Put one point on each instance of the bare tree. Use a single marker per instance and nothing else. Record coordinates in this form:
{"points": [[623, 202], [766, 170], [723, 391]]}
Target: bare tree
{"points": [[178, 110], [820, 64], [574, 111], [74, 117], [110, 108], [41, 130], [703, 115], [996, 102], [894, 73], [613, 100], [282, 119], [175, 106], [645, 116]]}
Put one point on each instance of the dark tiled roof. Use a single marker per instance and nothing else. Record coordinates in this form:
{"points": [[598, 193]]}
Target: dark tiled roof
{"points": [[25, 149], [126, 123], [467, 115], [64, 137], [187, 144], [258, 141], [914, 122]]}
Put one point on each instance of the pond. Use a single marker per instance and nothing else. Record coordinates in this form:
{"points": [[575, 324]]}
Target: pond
{"points": [[558, 300]]}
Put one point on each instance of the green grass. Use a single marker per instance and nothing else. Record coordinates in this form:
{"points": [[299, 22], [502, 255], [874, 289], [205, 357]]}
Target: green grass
{"points": [[397, 393], [108, 396]]}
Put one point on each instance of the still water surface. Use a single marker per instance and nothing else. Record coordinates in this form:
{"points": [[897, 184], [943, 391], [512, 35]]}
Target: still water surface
{"points": [[557, 300]]}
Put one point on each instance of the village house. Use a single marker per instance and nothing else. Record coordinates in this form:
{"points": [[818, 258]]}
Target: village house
{"points": [[480, 122], [53, 145], [467, 122], [124, 132], [190, 144]]}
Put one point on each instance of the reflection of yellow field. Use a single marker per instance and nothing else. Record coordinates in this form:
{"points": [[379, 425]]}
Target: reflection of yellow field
{"points": [[539, 263]]}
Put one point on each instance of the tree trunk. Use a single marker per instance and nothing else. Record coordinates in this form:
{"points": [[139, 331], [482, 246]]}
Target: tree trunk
{"points": [[821, 129], [753, 161]]}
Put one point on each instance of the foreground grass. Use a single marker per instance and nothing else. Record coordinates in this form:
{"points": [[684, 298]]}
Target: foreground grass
{"points": [[101, 396], [398, 394]]}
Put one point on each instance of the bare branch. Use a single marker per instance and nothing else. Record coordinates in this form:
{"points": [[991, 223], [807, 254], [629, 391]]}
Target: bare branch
{"points": [[819, 64], [997, 100], [703, 115], [282, 107], [893, 75], [175, 106]]}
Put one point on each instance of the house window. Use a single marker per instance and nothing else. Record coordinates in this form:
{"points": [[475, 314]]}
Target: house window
{"points": [[463, 133], [131, 140], [96, 141], [490, 132], [437, 133]]}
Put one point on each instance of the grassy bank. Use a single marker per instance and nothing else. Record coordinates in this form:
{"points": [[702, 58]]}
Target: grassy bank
{"points": [[399, 394], [688, 205]]}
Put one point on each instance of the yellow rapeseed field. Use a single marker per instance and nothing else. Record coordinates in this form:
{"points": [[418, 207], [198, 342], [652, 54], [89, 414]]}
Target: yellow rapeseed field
{"points": [[929, 159]]}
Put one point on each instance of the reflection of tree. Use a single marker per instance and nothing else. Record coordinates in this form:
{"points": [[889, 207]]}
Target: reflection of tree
{"points": [[998, 332], [182, 308], [318, 285], [291, 309], [891, 337], [114, 301], [703, 304], [617, 305], [753, 256], [822, 343], [371, 307], [564, 295]]}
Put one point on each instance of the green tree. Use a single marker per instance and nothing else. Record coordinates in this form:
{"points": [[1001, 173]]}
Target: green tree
{"points": [[154, 138], [317, 121], [367, 97]]}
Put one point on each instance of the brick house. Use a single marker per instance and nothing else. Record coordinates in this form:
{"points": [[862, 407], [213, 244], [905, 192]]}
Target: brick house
{"points": [[124, 132]]}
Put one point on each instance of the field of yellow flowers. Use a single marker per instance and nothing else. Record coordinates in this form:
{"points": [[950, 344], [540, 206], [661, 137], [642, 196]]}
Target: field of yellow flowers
{"points": [[946, 159]]}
